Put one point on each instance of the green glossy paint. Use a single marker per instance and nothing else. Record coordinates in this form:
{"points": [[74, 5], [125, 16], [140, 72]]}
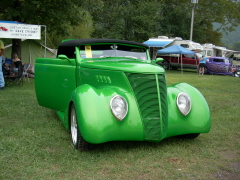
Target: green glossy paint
{"points": [[90, 83]]}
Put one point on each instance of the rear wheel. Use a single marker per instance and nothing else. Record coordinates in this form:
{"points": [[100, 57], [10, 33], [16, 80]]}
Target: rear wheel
{"points": [[205, 70], [165, 65], [77, 140]]}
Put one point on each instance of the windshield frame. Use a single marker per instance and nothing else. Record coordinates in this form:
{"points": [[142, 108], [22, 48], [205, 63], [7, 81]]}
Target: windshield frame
{"points": [[112, 51]]}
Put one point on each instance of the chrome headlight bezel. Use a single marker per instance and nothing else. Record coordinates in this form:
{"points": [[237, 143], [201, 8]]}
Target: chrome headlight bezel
{"points": [[119, 107], [184, 103]]}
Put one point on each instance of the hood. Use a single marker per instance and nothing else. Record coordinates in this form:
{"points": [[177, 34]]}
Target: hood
{"points": [[123, 65]]}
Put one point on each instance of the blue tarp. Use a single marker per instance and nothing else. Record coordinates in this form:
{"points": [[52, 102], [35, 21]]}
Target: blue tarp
{"points": [[175, 49], [158, 43], [13, 22]]}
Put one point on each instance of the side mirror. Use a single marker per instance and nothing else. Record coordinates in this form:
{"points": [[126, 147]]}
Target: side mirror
{"points": [[159, 60], [61, 56]]}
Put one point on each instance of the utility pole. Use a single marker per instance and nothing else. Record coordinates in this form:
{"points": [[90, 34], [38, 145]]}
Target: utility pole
{"points": [[194, 2]]}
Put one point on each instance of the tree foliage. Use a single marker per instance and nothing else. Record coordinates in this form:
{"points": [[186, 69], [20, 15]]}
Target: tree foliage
{"points": [[58, 16], [178, 16], [223, 12], [236, 46], [134, 20]]}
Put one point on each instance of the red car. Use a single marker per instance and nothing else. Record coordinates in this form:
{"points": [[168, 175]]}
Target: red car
{"points": [[3, 28], [189, 61]]}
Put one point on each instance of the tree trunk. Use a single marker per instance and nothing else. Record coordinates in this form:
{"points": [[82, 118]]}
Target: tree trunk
{"points": [[16, 47], [17, 43]]}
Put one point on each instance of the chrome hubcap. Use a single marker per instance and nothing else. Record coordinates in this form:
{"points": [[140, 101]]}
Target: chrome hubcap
{"points": [[74, 126]]}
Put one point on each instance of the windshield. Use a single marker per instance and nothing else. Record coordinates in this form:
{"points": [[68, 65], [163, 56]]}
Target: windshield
{"points": [[117, 51], [199, 55], [226, 60]]}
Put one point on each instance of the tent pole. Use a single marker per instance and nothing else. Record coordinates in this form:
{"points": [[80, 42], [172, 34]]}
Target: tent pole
{"points": [[181, 64], [45, 40], [29, 52]]}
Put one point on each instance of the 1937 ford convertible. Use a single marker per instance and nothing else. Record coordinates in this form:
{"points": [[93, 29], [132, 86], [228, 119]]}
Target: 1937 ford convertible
{"points": [[110, 90]]}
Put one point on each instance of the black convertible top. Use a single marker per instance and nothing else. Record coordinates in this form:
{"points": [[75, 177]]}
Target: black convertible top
{"points": [[68, 47], [77, 42]]}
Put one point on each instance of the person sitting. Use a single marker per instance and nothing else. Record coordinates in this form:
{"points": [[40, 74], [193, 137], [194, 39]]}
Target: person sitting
{"points": [[16, 63], [6, 66]]}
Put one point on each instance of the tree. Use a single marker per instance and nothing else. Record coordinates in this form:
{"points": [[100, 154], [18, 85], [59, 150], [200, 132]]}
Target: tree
{"points": [[223, 12], [81, 31], [177, 19], [236, 46], [56, 15], [134, 20]]}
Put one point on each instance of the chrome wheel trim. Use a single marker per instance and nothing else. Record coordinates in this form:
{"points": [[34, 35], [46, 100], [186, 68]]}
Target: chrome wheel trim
{"points": [[74, 126]]}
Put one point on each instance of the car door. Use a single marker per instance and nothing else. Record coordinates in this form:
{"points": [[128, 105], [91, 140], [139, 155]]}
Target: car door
{"points": [[217, 65], [190, 61], [55, 80]]}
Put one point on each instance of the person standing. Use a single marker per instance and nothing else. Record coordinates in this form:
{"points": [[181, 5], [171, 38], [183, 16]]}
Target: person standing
{"points": [[2, 51], [202, 65]]}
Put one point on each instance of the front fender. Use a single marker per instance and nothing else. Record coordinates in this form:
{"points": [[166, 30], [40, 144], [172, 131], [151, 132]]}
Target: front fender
{"points": [[96, 121], [197, 121]]}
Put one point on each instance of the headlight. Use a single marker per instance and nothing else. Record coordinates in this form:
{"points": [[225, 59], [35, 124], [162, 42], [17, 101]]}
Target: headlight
{"points": [[119, 107], [184, 103]]}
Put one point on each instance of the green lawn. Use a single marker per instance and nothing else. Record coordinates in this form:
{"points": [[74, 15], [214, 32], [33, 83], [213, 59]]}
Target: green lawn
{"points": [[35, 145]]}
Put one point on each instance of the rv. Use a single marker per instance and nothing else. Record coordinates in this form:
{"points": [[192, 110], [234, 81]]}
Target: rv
{"points": [[161, 42], [173, 60], [212, 50]]}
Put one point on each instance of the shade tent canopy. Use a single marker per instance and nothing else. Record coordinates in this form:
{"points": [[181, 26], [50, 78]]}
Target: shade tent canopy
{"points": [[158, 42], [31, 49], [12, 22], [175, 49]]}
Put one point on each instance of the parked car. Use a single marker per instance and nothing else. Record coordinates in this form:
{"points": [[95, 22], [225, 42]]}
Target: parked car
{"points": [[221, 65], [110, 90], [189, 61]]}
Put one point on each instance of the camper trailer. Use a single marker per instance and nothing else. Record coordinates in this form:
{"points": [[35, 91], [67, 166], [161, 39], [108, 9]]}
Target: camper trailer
{"points": [[161, 42], [173, 60], [212, 50]]}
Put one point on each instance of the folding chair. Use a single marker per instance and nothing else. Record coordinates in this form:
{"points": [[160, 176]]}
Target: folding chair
{"points": [[15, 78], [25, 71]]}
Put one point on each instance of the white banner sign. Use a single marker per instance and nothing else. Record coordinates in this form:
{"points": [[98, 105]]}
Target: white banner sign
{"points": [[20, 31]]}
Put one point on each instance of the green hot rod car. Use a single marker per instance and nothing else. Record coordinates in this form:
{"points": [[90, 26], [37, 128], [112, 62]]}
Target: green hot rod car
{"points": [[110, 90]]}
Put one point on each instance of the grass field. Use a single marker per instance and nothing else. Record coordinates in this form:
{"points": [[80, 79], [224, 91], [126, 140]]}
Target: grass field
{"points": [[35, 145]]}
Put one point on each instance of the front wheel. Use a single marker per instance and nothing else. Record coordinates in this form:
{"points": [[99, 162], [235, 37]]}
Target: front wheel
{"points": [[77, 140], [236, 74]]}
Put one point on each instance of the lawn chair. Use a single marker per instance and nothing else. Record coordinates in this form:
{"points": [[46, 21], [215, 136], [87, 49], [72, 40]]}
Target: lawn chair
{"points": [[25, 71], [15, 78]]}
